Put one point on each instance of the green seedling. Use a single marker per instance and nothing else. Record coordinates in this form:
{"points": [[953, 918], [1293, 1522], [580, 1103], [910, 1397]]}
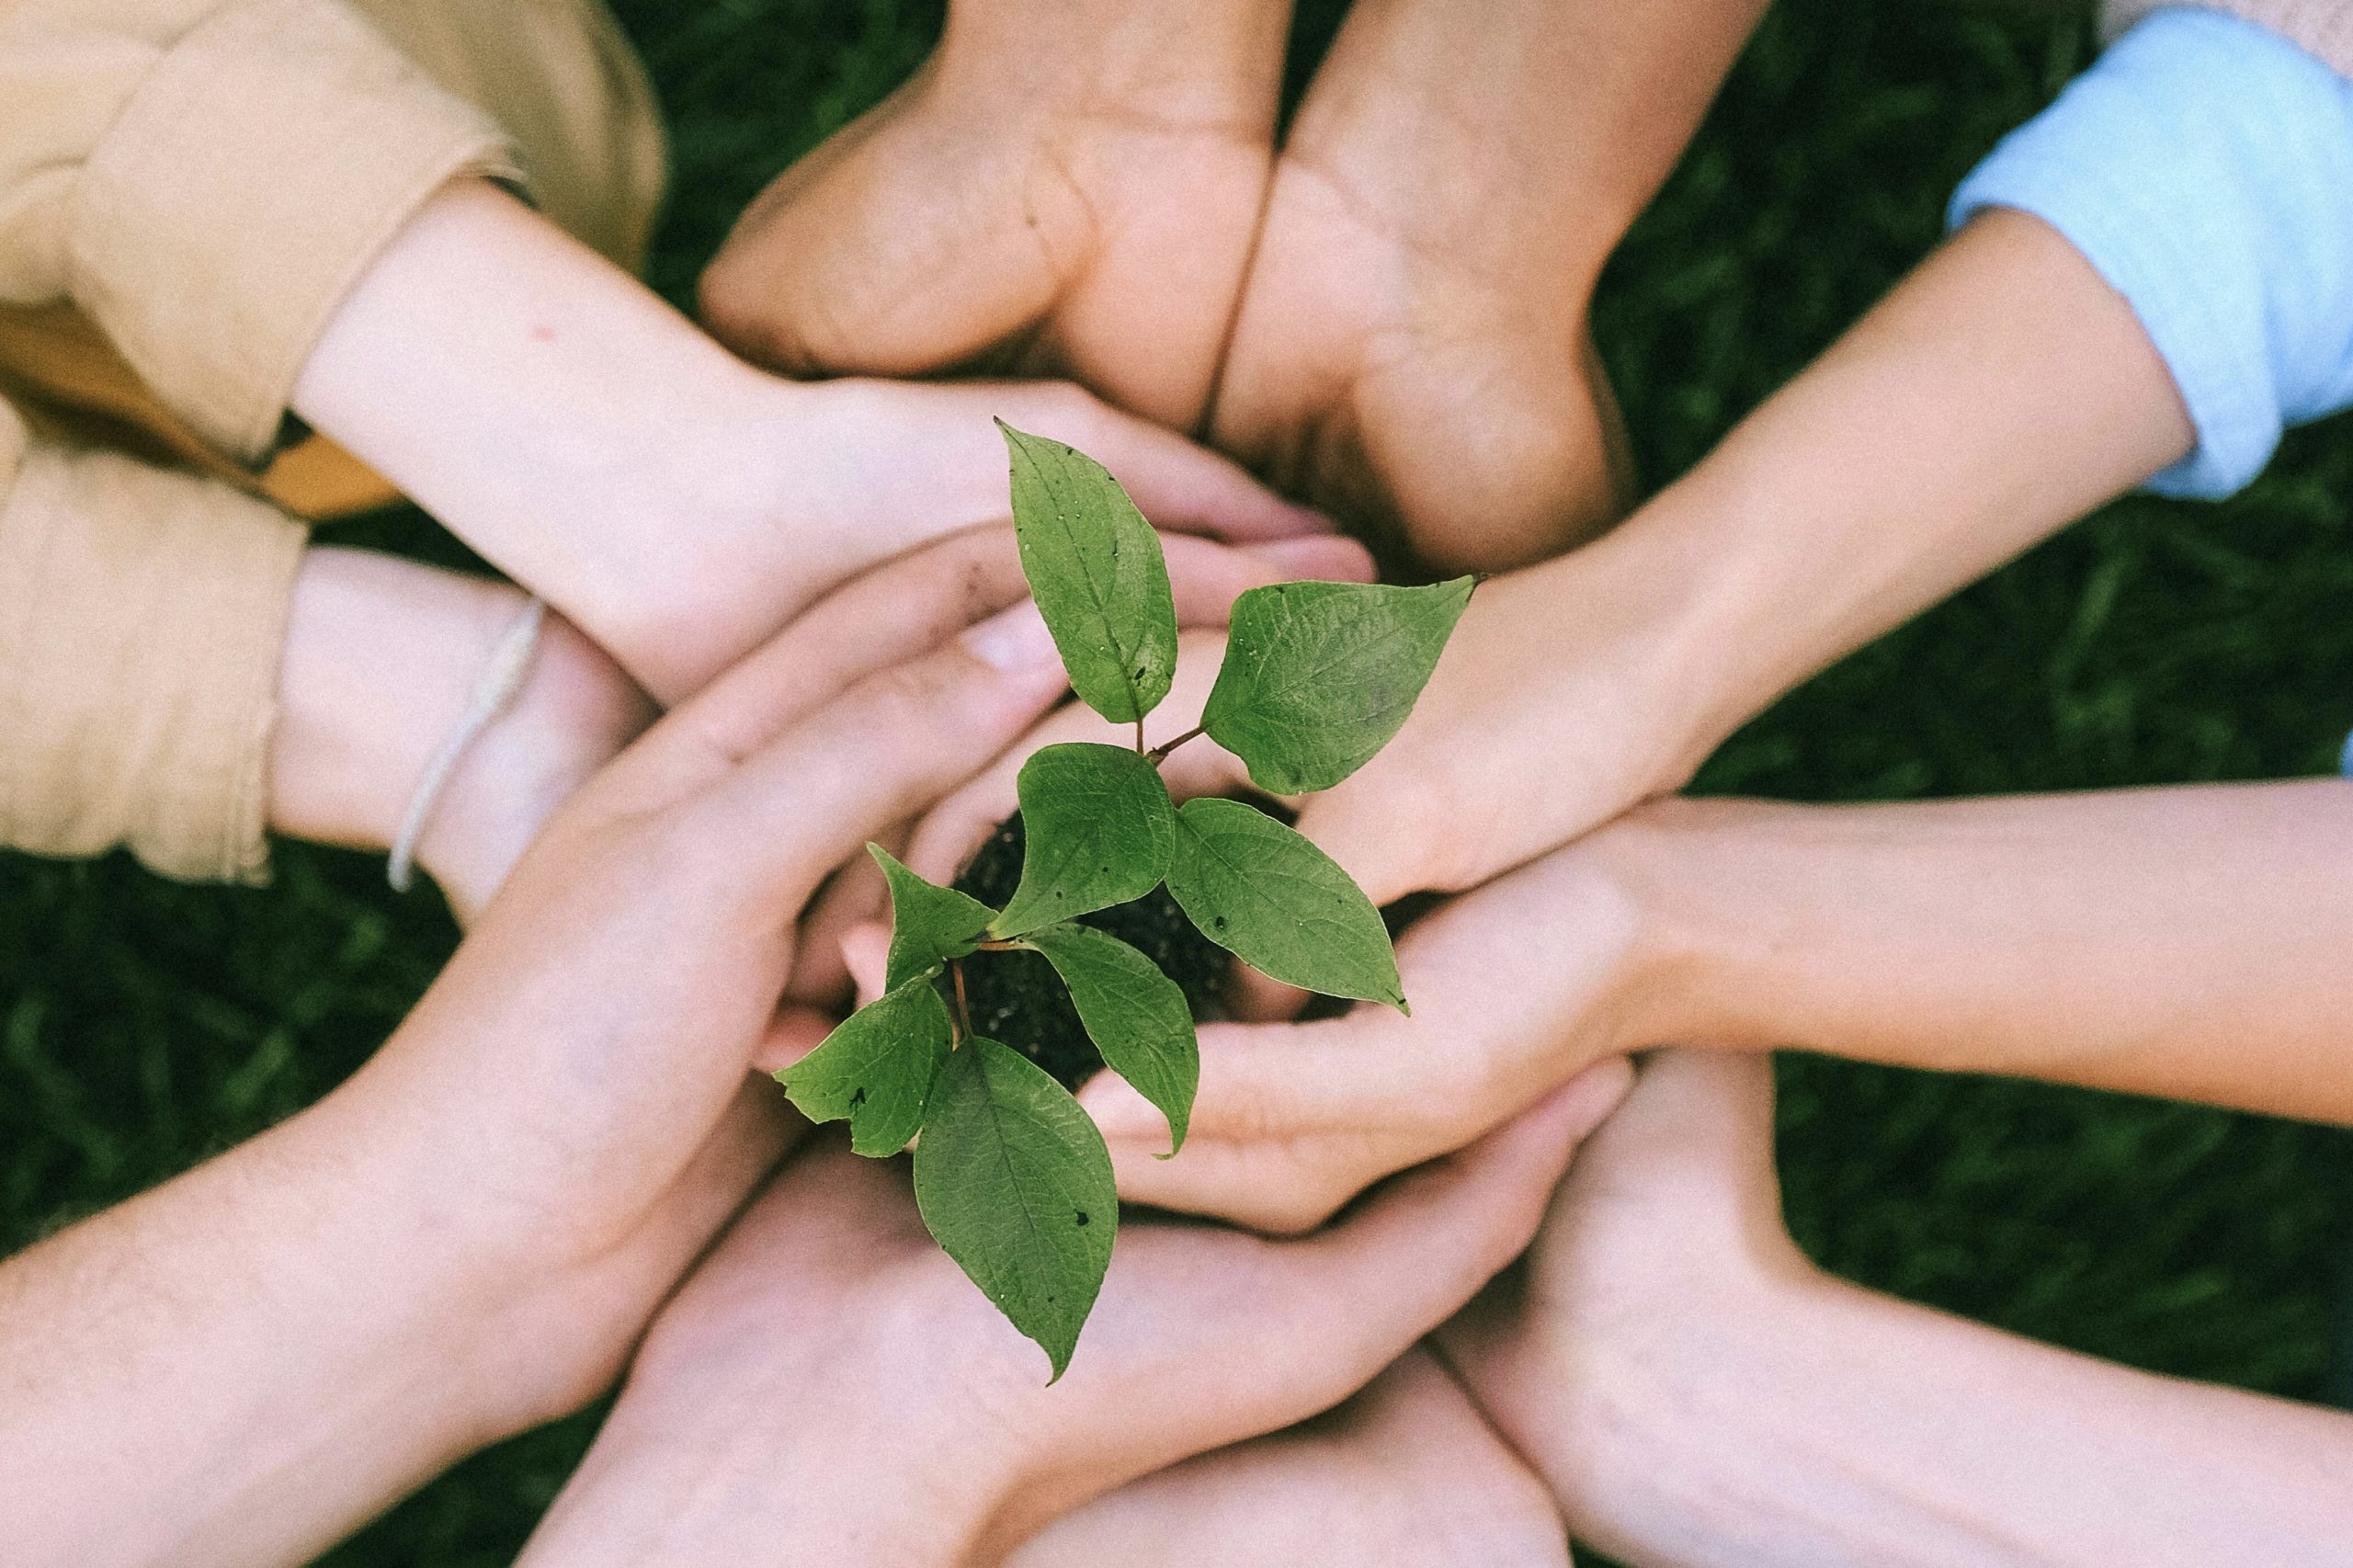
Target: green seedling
{"points": [[1011, 1175]]}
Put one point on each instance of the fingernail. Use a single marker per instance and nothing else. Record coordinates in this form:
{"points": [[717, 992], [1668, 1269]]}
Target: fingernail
{"points": [[1011, 639]]}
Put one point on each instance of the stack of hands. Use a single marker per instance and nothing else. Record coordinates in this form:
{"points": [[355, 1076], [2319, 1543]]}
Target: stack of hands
{"points": [[566, 1167]]}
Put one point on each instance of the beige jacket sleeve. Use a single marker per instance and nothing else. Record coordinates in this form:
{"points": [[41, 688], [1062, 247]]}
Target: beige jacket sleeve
{"points": [[144, 615], [2323, 29], [206, 178]]}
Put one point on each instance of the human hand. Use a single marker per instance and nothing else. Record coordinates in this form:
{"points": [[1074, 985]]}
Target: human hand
{"points": [[1406, 1474], [675, 503], [1062, 189], [1517, 987], [1663, 1283], [584, 1062], [1410, 346], [829, 1386]]}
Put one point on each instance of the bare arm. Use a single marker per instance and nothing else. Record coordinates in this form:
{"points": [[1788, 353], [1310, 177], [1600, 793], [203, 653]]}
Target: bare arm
{"points": [[1697, 1394], [2001, 391], [2189, 942]]}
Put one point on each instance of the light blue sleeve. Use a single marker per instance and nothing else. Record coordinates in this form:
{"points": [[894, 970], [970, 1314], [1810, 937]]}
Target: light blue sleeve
{"points": [[2205, 167]]}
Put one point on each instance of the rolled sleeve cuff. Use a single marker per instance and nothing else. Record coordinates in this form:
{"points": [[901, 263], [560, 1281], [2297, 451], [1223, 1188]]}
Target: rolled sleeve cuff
{"points": [[2204, 167], [142, 621], [267, 159]]}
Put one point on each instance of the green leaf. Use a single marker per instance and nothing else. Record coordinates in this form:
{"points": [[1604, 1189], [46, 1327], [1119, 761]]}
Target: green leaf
{"points": [[1135, 1015], [876, 1069], [1098, 829], [1096, 570], [929, 924], [1279, 904], [1013, 1181], [1318, 677]]}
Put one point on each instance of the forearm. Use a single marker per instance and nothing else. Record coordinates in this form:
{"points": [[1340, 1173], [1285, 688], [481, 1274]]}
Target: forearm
{"points": [[240, 1366], [563, 421], [1840, 1426], [2186, 943], [2001, 391]]}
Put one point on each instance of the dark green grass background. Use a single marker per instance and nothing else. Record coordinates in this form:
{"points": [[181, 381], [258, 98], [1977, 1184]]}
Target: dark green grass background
{"points": [[144, 1026]]}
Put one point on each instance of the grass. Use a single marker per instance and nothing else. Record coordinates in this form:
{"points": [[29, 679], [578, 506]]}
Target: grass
{"points": [[143, 1026]]}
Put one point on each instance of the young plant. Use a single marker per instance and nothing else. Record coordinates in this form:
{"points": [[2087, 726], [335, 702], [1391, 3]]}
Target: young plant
{"points": [[1011, 1175]]}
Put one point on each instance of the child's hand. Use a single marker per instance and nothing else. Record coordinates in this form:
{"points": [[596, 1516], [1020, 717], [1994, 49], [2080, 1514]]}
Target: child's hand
{"points": [[1405, 1474], [675, 505], [829, 1387]]}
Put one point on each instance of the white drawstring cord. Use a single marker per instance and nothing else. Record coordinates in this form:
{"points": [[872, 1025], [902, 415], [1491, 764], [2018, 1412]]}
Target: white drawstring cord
{"points": [[495, 688]]}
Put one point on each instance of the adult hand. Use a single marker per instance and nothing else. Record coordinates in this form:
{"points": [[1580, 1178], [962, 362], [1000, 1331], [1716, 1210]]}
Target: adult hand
{"points": [[1406, 1474], [1409, 348], [675, 505], [829, 1386], [1694, 1392], [1517, 987], [1066, 189], [468, 1236]]}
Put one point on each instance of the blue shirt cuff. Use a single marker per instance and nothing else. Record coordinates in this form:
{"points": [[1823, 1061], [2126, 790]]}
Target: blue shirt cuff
{"points": [[2204, 167]]}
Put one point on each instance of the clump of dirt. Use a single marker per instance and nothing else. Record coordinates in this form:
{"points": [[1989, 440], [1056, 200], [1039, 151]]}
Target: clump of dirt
{"points": [[1017, 999]]}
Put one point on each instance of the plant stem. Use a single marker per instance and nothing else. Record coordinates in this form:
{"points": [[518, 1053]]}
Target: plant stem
{"points": [[1159, 754], [963, 1007], [1139, 735]]}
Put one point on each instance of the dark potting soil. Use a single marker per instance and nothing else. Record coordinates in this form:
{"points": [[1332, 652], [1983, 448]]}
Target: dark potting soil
{"points": [[1017, 998]]}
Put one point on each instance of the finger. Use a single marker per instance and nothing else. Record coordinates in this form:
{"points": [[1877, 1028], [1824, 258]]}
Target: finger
{"points": [[1259, 998], [1265, 1082], [866, 952], [1206, 577], [893, 613], [1424, 1245], [883, 749], [793, 1034], [854, 896], [1176, 483], [960, 823], [1367, 834]]}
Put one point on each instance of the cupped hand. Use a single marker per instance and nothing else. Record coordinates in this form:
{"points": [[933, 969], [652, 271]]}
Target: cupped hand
{"points": [[1393, 322], [1406, 1474], [1207, 579], [1664, 1259], [573, 1094], [830, 1387], [1072, 193], [1516, 987]]}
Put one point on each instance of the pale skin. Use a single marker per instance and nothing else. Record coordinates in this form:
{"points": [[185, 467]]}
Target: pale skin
{"points": [[2161, 942], [828, 1387], [674, 504], [1406, 1474], [2000, 391], [1387, 317], [1697, 1394], [382, 653], [468, 1236]]}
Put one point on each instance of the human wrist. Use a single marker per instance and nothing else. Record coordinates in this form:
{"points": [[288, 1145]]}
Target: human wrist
{"points": [[644, 1496], [559, 418], [1650, 1409], [381, 658], [1695, 875]]}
